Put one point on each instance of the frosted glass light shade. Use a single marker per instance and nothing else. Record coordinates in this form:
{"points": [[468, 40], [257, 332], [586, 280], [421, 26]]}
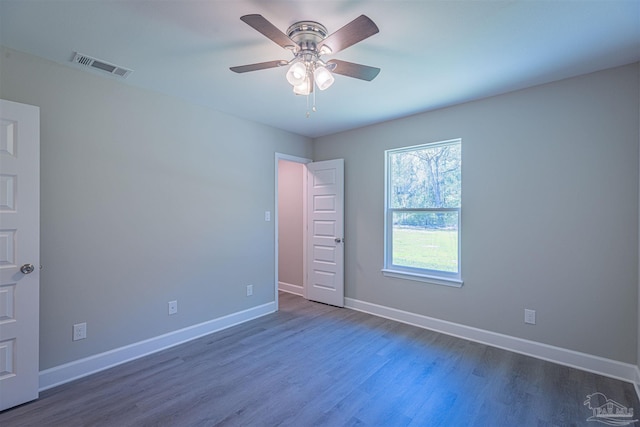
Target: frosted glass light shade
{"points": [[323, 78], [297, 74], [303, 88]]}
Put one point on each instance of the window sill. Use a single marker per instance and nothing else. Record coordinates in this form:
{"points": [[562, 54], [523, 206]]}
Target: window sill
{"points": [[444, 281]]}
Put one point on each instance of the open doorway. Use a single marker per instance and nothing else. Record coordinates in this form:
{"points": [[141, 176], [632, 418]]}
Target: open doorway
{"points": [[309, 229], [290, 229]]}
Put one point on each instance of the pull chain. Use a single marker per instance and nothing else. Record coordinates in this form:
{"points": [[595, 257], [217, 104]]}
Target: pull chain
{"points": [[313, 107], [314, 102]]}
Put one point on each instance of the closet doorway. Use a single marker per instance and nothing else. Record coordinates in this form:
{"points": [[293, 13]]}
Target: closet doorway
{"points": [[290, 224]]}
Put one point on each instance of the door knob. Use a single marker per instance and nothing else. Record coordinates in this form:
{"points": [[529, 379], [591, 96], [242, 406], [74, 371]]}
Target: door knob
{"points": [[27, 268]]}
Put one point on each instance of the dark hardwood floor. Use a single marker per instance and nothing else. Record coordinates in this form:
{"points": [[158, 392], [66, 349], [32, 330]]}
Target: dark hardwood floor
{"points": [[315, 365]]}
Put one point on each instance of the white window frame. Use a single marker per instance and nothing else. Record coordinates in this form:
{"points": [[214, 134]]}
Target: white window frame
{"points": [[437, 277]]}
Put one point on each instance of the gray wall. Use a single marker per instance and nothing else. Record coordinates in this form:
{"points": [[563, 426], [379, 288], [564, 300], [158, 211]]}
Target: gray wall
{"points": [[549, 212], [290, 223], [143, 202], [144, 199]]}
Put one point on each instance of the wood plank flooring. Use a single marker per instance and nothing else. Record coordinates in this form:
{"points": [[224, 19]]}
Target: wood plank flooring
{"points": [[315, 365]]}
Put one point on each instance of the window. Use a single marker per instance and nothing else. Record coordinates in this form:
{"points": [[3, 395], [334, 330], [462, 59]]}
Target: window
{"points": [[422, 212]]}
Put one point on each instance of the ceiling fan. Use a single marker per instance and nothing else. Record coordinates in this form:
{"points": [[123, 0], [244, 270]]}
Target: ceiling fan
{"points": [[308, 41]]}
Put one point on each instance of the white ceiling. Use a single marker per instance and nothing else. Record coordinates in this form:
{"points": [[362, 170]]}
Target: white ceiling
{"points": [[432, 53]]}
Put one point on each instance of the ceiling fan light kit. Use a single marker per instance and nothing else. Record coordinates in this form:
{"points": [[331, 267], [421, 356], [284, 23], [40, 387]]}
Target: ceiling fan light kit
{"points": [[308, 41]]}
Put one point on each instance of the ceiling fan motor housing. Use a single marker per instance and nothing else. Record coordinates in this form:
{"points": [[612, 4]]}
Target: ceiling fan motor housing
{"points": [[307, 35]]}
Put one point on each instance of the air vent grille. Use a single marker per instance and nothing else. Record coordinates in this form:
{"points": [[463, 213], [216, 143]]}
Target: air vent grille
{"points": [[100, 65]]}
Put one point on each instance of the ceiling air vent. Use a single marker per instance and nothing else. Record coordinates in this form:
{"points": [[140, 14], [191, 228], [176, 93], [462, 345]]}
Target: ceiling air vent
{"points": [[101, 65]]}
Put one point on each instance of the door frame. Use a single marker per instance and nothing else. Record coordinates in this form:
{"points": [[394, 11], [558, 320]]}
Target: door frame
{"points": [[304, 161]]}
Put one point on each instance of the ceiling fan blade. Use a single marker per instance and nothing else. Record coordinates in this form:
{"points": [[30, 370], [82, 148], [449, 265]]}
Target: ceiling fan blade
{"points": [[258, 66], [260, 24], [352, 33], [358, 71]]}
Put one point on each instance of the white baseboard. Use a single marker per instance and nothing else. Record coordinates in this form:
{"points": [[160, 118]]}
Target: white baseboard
{"points": [[80, 368], [290, 288], [59, 375], [562, 356]]}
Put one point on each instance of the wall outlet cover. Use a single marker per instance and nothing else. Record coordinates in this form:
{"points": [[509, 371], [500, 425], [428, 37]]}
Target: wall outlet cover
{"points": [[79, 331], [529, 316], [173, 307]]}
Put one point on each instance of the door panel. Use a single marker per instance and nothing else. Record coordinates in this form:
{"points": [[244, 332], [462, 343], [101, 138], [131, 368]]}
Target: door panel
{"points": [[19, 252], [325, 242]]}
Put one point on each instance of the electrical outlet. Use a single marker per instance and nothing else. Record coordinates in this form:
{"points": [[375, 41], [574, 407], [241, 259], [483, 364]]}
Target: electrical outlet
{"points": [[79, 331], [529, 316], [173, 307], [249, 290], [267, 215]]}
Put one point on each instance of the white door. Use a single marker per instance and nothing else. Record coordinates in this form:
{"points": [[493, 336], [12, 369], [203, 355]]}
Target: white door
{"points": [[19, 252], [325, 236]]}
